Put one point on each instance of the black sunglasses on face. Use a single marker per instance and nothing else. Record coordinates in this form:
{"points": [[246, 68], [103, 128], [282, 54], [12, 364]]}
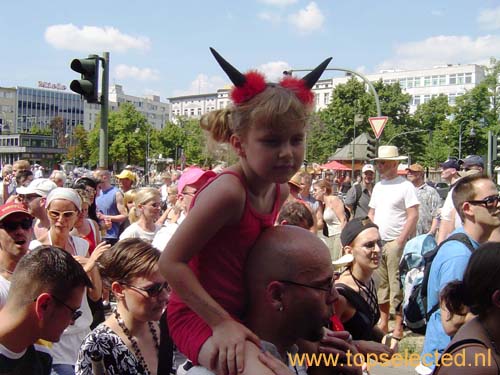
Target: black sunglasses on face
{"points": [[13, 225], [488, 202], [328, 288], [75, 314], [153, 290]]}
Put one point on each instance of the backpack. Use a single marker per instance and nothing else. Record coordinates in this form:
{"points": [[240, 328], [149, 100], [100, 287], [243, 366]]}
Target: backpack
{"points": [[414, 269]]}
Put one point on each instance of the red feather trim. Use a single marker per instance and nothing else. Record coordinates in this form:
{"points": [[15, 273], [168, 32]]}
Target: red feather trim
{"points": [[298, 86], [255, 84]]}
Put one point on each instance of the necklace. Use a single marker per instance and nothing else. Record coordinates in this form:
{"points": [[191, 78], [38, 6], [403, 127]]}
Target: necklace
{"points": [[369, 294], [135, 346]]}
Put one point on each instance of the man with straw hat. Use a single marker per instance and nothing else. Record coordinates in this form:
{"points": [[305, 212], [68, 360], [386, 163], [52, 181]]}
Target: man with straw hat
{"points": [[394, 208]]}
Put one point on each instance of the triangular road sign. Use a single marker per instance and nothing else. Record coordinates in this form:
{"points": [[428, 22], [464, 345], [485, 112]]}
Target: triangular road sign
{"points": [[378, 124]]}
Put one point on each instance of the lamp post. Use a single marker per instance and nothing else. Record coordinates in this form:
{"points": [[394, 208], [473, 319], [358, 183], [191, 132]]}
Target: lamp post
{"points": [[408, 132], [146, 163], [461, 132]]}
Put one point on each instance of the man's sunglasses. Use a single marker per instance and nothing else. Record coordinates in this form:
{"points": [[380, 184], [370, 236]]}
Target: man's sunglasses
{"points": [[152, 291], [75, 314], [13, 225], [488, 202]]}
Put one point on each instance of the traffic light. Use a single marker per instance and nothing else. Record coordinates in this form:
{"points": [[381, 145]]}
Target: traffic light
{"points": [[371, 147], [88, 85]]}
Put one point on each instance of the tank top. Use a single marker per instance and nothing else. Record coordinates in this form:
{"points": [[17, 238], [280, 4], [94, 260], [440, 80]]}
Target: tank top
{"points": [[332, 222], [106, 203], [90, 237], [219, 266]]}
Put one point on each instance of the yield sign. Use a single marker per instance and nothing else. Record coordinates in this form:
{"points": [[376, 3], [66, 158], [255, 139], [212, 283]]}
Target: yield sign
{"points": [[378, 124]]}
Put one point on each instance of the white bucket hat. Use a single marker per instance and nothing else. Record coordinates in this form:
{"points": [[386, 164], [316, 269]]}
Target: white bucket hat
{"points": [[389, 153]]}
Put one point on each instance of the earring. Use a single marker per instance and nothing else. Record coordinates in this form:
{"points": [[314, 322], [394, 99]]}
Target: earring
{"points": [[280, 308]]}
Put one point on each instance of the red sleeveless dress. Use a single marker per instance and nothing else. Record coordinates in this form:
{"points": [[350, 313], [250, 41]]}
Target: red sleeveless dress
{"points": [[219, 267]]}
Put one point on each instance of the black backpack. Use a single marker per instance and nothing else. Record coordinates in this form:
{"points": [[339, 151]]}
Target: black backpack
{"points": [[415, 313]]}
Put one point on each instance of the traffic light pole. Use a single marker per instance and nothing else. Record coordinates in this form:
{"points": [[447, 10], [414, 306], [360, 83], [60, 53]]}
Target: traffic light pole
{"points": [[103, 131]]}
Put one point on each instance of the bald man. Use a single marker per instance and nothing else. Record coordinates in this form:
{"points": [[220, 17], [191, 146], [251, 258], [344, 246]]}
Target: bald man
{"points": [[291, 289]]}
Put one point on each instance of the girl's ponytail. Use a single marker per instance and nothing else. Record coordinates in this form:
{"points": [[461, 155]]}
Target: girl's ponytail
{"points": [[218, 125]]}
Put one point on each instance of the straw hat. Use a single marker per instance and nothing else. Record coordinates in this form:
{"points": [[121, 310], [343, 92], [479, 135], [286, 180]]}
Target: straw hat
{"points": [[296, 180], [389, 153]]}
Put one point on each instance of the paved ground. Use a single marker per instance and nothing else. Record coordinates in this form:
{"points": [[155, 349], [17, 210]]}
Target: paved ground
{"points": [[411, 343]]}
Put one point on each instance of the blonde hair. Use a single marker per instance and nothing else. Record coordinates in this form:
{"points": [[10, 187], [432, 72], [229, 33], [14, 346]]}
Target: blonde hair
{"points": [[276, 107], [128, 197], [142, 196]]}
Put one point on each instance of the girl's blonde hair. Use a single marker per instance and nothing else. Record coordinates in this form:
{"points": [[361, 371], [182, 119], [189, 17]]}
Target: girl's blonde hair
{"points": [[128, 197], [142, 196], [275, 107]]}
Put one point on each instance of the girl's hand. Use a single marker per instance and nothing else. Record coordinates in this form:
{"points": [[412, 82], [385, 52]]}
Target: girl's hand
{"points": [[274, 364], [229, 344], [98, 251]]}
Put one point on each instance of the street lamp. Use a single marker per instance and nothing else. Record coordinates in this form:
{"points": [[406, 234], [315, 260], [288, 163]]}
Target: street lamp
{"points": [[403, 133], [472, 134], [146, 163]]}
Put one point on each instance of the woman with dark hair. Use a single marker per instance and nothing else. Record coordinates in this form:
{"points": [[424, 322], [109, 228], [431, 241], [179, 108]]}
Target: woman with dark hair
{"points": [[90, 186], [357, 306], [130, 339], [474, 349]]}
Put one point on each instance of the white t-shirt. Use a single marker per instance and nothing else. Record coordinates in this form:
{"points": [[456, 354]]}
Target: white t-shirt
{"points": [[448, 210], [390, 199], [4, 290], [135, 231], [164, 235]]}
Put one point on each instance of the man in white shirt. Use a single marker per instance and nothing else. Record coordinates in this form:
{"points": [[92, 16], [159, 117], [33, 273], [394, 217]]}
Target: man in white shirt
{"points": [[394, 208]]}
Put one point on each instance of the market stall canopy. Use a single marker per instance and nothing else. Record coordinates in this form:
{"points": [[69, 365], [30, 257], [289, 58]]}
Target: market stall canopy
{"points": [[336, 166]]}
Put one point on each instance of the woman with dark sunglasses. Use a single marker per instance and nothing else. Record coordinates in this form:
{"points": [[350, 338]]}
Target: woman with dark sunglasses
{"points": [[357, 306], [131, 339], [63, 206]]}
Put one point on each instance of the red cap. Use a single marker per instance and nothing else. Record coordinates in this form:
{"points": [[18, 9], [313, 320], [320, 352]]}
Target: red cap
{"points": [[11, 208]]}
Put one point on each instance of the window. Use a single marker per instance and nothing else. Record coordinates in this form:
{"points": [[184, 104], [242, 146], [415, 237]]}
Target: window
{"points": [[468, 77], [417, 81], [435, 80], [460, 78], [409, 82], [402, 83], [427, 81], [452, 98], [416, 100], [326, 98], [427, 98], [442, 80]]}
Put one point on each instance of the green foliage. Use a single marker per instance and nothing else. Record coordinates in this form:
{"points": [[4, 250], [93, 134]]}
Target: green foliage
{"points": [[40, 131]]}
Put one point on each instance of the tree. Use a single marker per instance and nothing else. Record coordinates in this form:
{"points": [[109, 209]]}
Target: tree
{"points": [[57, 126]]}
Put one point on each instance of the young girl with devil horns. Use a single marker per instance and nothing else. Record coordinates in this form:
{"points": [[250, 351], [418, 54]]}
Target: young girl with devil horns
{"points": [[204, 260]]}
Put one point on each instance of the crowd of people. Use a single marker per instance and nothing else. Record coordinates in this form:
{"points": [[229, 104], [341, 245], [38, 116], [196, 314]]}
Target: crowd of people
{"points": [[237, 271]]}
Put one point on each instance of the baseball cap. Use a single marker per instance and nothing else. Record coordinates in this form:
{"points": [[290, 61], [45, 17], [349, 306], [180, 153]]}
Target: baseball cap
{"points": [[415, 168], [11, 208], [353, 228], [126, 174], [451, 163], [471, 160], [367, 167], [39, 186], [192, 176]]}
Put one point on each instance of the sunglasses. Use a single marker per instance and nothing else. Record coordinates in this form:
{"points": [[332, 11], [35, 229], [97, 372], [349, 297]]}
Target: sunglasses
{"points": [[328, 288], [53, 214], [152, 291], [488, 202], [75, 313], [13, 225]]}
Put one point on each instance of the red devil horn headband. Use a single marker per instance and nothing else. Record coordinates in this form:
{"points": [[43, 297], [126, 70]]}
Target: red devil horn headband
{"points": [[252, 83]]}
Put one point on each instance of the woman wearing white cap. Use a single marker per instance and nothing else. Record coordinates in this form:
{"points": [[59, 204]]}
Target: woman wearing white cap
{"points": [[63, 206]]}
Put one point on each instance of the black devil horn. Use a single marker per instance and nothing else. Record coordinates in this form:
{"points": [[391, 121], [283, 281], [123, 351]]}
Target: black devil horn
{"points": [[311, 78], [234, 74]]}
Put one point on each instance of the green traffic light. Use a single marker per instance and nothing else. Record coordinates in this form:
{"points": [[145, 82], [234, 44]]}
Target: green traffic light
{"points": [[88, 85]]}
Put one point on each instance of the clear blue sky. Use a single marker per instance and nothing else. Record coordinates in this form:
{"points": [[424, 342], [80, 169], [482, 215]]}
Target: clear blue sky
{"points": [[161, 47]]}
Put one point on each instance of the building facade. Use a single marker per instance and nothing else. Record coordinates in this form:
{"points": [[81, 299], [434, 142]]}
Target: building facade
{"points": [[39, 106], [40, 149], [156, 112], [422, 85]]}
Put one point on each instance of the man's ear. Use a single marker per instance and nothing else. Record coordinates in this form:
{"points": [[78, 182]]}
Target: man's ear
{"points": [[42, 305], [274, 294], [495, 298], [237, 145]]}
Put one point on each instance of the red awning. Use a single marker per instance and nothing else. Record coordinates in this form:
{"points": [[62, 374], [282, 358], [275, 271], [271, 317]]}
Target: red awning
{"points": [[336, 166]]}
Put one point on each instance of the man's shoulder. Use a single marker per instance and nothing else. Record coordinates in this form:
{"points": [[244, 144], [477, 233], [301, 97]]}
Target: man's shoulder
{"points": [[35, 360]]}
